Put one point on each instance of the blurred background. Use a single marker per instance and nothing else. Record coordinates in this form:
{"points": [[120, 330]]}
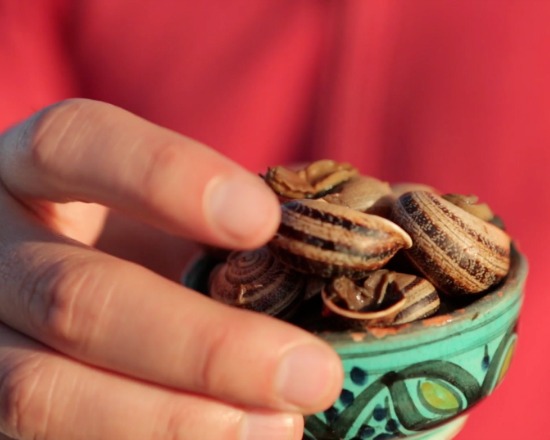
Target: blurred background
{"points": [[452, 94]]}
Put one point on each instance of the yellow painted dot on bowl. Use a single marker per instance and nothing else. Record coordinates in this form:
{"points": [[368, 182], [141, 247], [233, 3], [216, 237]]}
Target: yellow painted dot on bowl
{"points": [[438, 397]]}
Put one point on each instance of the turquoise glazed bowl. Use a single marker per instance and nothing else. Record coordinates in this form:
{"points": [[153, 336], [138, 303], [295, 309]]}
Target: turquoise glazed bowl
{"points": [[418, 380]]}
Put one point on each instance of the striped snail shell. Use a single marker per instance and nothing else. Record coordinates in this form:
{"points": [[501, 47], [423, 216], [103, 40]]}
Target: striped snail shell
{"points": [[471, 204], [312, 181], [457, 251], [363, 193], [422, 299], [255, 280], [384, 298], [328, 240]]}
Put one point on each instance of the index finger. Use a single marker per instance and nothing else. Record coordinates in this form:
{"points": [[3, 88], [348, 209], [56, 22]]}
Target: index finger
{"points": [[91, 151]]}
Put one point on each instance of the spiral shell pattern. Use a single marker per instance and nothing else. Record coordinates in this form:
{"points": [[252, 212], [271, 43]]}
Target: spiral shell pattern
{"points": [[328, 240], [255, 280], [457, 251]]}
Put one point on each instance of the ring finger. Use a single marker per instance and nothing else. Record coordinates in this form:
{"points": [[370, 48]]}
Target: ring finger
{"points": [[45, 395]]}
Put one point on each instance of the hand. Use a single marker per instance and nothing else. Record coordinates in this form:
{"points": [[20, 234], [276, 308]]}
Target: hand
{"points": [[94, 346]]}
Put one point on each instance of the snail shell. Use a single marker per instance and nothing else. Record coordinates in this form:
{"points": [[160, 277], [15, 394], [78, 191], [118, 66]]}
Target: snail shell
{"points": [[365, 194], [470, 203], [457, 251], [255, 280], [384, 298], [327, 240], [400, 188], [422, 299], [312, 181], [372, 304]]}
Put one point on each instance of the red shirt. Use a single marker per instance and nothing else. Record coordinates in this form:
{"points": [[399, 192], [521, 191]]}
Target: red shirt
{"points": [[452, 94]]}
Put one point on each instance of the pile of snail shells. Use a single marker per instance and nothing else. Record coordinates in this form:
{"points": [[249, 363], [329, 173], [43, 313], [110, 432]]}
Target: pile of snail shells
{"points": [[338, 239]]}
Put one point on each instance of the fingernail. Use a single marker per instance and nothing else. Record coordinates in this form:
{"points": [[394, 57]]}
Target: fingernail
{"points": [[242, 208], [268, 427], [308, 376]]}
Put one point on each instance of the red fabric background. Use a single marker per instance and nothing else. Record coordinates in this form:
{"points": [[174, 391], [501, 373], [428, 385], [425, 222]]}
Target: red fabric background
{"points": [[453, 94]]}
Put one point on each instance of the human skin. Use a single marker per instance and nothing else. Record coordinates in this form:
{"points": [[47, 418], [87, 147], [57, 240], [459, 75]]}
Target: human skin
{"points": [[97, 341]]}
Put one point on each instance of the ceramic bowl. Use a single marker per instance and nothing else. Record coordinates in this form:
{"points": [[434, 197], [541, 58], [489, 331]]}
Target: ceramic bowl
{"points": [[416, 381]]}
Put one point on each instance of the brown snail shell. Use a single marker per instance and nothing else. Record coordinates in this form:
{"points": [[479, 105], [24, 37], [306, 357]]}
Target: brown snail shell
{"points": [[470, 203], [363, 193], [383, 298], [400, 188], [370, 306], [457, 251], [328, 240], [255, 280], [312, 181], [422, 299]]}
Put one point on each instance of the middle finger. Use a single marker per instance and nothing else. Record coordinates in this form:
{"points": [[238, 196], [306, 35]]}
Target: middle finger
{"points": [[117, 315]]}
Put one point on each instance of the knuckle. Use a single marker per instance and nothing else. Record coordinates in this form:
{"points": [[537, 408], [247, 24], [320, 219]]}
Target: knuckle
{"points": [[47, 142], [170, 423], [58, 301], [209, 363], [220, 352], [155, 167], [20, 384]]}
